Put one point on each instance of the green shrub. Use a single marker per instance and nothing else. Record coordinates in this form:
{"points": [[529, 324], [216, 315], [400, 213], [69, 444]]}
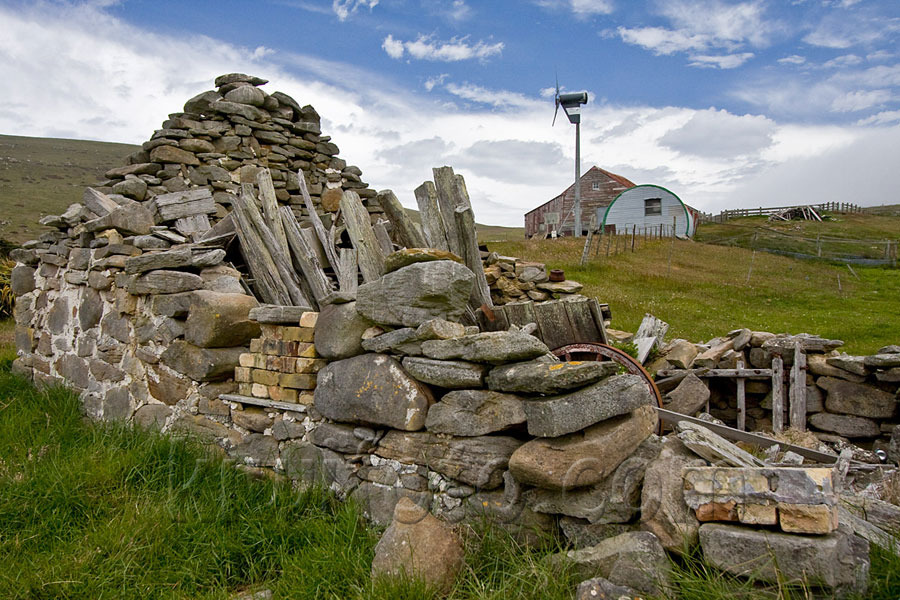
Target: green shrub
{"points": [[7, 298]]}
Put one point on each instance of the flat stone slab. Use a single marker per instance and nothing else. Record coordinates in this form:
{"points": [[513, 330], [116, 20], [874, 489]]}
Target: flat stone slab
{"points": [[857, 399], [409, 256], [558, 415], [838, 561], [493, 347], [450, 374], [278, 314], [539, 377], [475, 412]]}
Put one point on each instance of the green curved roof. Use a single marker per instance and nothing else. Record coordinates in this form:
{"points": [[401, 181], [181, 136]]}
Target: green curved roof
{"points": [[687, 214]]}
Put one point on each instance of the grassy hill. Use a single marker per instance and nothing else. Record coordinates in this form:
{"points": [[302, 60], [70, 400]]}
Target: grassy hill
{"points": [[41, 176]]}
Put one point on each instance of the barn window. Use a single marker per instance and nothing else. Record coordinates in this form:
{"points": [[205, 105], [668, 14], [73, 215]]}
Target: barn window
{"points": [[652, 207], [595, 185]]}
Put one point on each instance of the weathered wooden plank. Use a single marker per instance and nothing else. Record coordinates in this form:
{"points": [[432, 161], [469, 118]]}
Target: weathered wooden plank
{"points": [[651, 329], [465, 225], [499, 322], [305, 257], [270, 208], [318, 226], [741, 399], [178, 205], [405, 231], [797, 394], [432, 221], [383, 237], [349, 279], [714, 447], [225, 226], [745, 373], [193, 226], [553, 324], [264, 402], [597, 310], [277, 314], [520, 314], [777, 394], [446, 185], [359, 227], [585, 328], [265, 275]]}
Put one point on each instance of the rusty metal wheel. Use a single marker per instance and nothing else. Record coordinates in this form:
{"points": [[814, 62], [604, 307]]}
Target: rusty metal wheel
{"points": [[599, 352]]}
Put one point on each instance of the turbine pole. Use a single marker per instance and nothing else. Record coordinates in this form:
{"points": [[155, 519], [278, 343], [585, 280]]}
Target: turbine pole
{"points": [[578, 179]]}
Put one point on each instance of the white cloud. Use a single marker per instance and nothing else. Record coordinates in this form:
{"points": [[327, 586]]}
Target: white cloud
{"points": [[456, 11], [431, 82], [793, 59], [719, 134], [660, 40], [581, 8], [847, 60], [883, 118], [860, 100], [426, 47], [497, 98], [344, 8], [728, 61], [848, 29]]}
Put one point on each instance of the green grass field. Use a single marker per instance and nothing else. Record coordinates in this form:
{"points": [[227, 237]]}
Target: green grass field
{"points": [[704, 290]]}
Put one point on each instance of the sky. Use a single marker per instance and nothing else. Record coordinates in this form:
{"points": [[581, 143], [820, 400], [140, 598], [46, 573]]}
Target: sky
{"points": [[726, 103]]}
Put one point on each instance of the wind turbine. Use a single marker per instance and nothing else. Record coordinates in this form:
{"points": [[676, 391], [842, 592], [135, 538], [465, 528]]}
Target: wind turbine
{"points": [[571, 104]]}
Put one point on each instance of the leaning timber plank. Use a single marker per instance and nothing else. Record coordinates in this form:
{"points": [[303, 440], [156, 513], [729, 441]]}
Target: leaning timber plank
{"points": [[264, 402], [777, 394], [368, 253], [270, 207], [265, 275], [222, 228], [286, 271], [465, 225], [713, 447], [349, 277], [278, 314], [193, 226], [553, 321], [797, 398], [746, 373], [305, 256], [446, 185], [177, 205], [731, 433], [521, 314], [584, 326], [405, 232], [432, 221], [97, 202], [318, 226], [493, 319], [600, 312], [741, 399], [383, 237]]}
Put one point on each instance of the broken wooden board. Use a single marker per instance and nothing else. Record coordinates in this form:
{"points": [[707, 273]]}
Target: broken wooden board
{"points": [[278, 314], [383, 237], [305, 257], [348, 282], [324, 239], [270, 207], [559, 322], [432, 221], [650, 334], [180, 205], [465, 225], [449, 197], [713, 447], [405, 232], [193, 226], [359, 227]]}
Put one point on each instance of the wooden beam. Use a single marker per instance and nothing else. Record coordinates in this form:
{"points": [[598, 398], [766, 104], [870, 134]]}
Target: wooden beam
{"points": [[465, 226], [270, 208], [349, 280], [383, 237], [405, 231], [777, 394], [359, 227], [432, 221], [741, 399], [797, 399], [305, 257], [318, 226], [265, 275], [446, 185], [743, 372]]}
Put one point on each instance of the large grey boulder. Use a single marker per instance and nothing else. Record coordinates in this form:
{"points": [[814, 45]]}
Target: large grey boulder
{"points": [[493, 347], [21, 280], [857, 399], [845, 425], [418, 545], [475, 412], [417, 293], [616, 499], [217, 320], [372, 389], [450, 374], [346, 439], [583, 458], [541, 377], [558, 415], [838, 561], [633, 559], [689, 397], [664, 512], [339, 330], [477, 461]]}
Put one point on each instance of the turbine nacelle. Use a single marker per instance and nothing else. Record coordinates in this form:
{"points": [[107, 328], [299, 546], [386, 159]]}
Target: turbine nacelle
{"points": [[571, 104]]}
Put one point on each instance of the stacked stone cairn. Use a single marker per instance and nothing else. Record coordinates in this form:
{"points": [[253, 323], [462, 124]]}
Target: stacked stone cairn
{"points": [[849, 399], [384, 393], [512, 279]]}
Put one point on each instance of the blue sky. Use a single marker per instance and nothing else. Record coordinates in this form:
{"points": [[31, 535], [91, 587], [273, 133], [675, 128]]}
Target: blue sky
{"points": [[726, 103]]}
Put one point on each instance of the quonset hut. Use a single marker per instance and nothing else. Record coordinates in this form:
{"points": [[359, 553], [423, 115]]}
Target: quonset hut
{"points": [[649, 209]]}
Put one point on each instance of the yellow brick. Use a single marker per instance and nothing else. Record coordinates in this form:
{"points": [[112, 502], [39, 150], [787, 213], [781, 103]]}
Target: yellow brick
{"points": [[256, 345], [758, 514], [271, 332], [259, 390], [807, 518], [306, 351], [245, 389], [265, 377], [242, 374], [308, 319], [306, 398], [275, 363], [310, 365], [245, 360], [298, 381], [282, 394], [298, 334]]}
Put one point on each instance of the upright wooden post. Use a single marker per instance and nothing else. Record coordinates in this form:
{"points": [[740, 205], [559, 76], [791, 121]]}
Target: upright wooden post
{"points": [[741, 399], [633, 231], [798, 390], [777, 394]]}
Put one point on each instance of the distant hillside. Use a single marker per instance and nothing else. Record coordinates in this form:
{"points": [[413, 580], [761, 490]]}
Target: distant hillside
{"points": [[41, 176]]}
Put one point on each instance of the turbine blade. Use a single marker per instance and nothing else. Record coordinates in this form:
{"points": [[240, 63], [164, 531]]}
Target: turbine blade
{"points": [[555, 111]]}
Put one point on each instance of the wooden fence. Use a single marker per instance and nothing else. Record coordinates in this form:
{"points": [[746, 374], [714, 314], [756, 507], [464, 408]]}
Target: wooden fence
{"points": [[733, 213]]}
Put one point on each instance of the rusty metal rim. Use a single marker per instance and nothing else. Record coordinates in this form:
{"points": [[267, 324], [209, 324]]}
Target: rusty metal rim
{"points": [[618, 356]]}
